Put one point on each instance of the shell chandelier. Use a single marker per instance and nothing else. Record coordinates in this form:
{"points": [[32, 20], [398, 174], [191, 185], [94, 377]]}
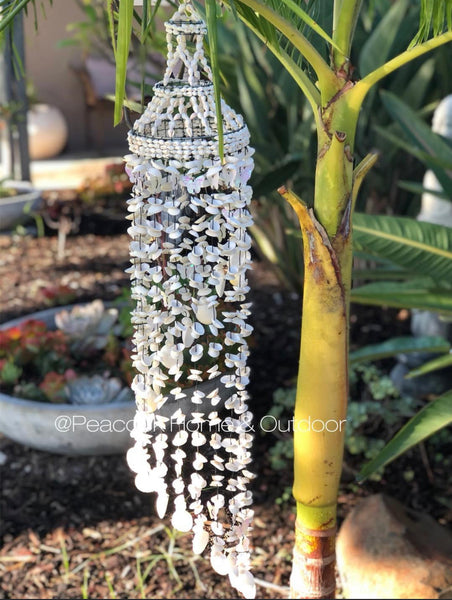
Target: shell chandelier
{"points": [[190, 251]]}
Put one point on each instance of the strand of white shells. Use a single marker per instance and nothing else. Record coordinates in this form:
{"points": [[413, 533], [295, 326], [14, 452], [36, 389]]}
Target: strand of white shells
{"points": [[184, 149], [190, 252], [181, 267]]}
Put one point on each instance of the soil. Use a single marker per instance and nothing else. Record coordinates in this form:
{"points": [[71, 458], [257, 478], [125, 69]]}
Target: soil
{"points": [[77, 527]]}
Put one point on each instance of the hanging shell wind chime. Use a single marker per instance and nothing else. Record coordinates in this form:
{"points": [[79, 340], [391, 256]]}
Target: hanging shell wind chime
{"points": [[190, 251]]}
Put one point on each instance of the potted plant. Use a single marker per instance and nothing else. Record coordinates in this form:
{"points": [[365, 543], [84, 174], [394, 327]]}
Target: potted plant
{"points": [[64, 379], [62, 370], [17, 200]]}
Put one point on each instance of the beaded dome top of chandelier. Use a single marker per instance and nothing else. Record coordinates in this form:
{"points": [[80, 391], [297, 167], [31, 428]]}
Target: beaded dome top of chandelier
{"points": [[180, 121]]}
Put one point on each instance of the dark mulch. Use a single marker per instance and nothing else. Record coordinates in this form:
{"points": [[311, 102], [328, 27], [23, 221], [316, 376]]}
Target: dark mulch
{"points": [[77, 527]]}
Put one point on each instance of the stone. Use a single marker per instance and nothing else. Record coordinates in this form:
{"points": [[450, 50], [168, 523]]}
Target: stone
{"points": [[434, 383], [385, 550]]}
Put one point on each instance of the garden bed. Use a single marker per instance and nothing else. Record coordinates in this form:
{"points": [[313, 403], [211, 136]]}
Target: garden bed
{"points": [[77, 527]]}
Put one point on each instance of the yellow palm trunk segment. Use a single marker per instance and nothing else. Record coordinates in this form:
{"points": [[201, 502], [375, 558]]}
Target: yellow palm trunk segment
{"points": [[321, 404]]}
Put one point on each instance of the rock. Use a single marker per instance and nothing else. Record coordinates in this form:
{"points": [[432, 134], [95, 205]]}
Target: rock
{"points": [[385, 550], [424, 322], [424, 385]]}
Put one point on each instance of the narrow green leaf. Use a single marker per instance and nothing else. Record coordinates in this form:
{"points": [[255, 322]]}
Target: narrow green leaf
{"points": [[415, 92], [211, 15], [144, 20], [399, 345], [90, 12], [265, 244], [111, 24], [274, 18], [300, 77], [418, 188], [435, 16], [410, 294], [432, 365], [299, 12], [125, 15], [422, 137], [381, 274], [150, 21], [434, 416], [9, 11], [378, 45], [274, 178], [431, 161], [423, 247]]}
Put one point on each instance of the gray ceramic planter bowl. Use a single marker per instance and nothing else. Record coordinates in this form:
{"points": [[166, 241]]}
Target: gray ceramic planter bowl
{"points": [[16, 209], [73, 429], [65, 428]]}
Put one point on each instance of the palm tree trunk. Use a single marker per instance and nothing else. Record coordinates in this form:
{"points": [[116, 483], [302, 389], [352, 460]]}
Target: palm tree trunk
{"points": [[313, 565], [322, 386]]}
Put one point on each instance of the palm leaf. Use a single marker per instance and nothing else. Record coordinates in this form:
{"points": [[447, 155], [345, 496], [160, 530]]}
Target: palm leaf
{"points": [[432, 365], [9, 10], [272, 19], [304, 16], [418, 188], [300, 77], [410, 294], [431, 147], [435, 17], [431, 160], [423, 247], [148, 19], [434, 416], [383, 274], [398, 345], [111, 24], [125, 16], [377, 48]]}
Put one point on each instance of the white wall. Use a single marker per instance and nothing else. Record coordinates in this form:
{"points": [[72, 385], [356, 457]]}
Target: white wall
{"points": [[48, 67]]}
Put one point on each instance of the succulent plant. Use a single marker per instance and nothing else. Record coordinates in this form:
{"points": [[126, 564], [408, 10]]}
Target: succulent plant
{"points": [[97, 390], [88, 327]]}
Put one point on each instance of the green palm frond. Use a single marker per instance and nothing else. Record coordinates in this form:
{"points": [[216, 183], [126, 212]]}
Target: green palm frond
{"points": [[435, 18], [121, 47], [11, 8], [423, 247]]}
